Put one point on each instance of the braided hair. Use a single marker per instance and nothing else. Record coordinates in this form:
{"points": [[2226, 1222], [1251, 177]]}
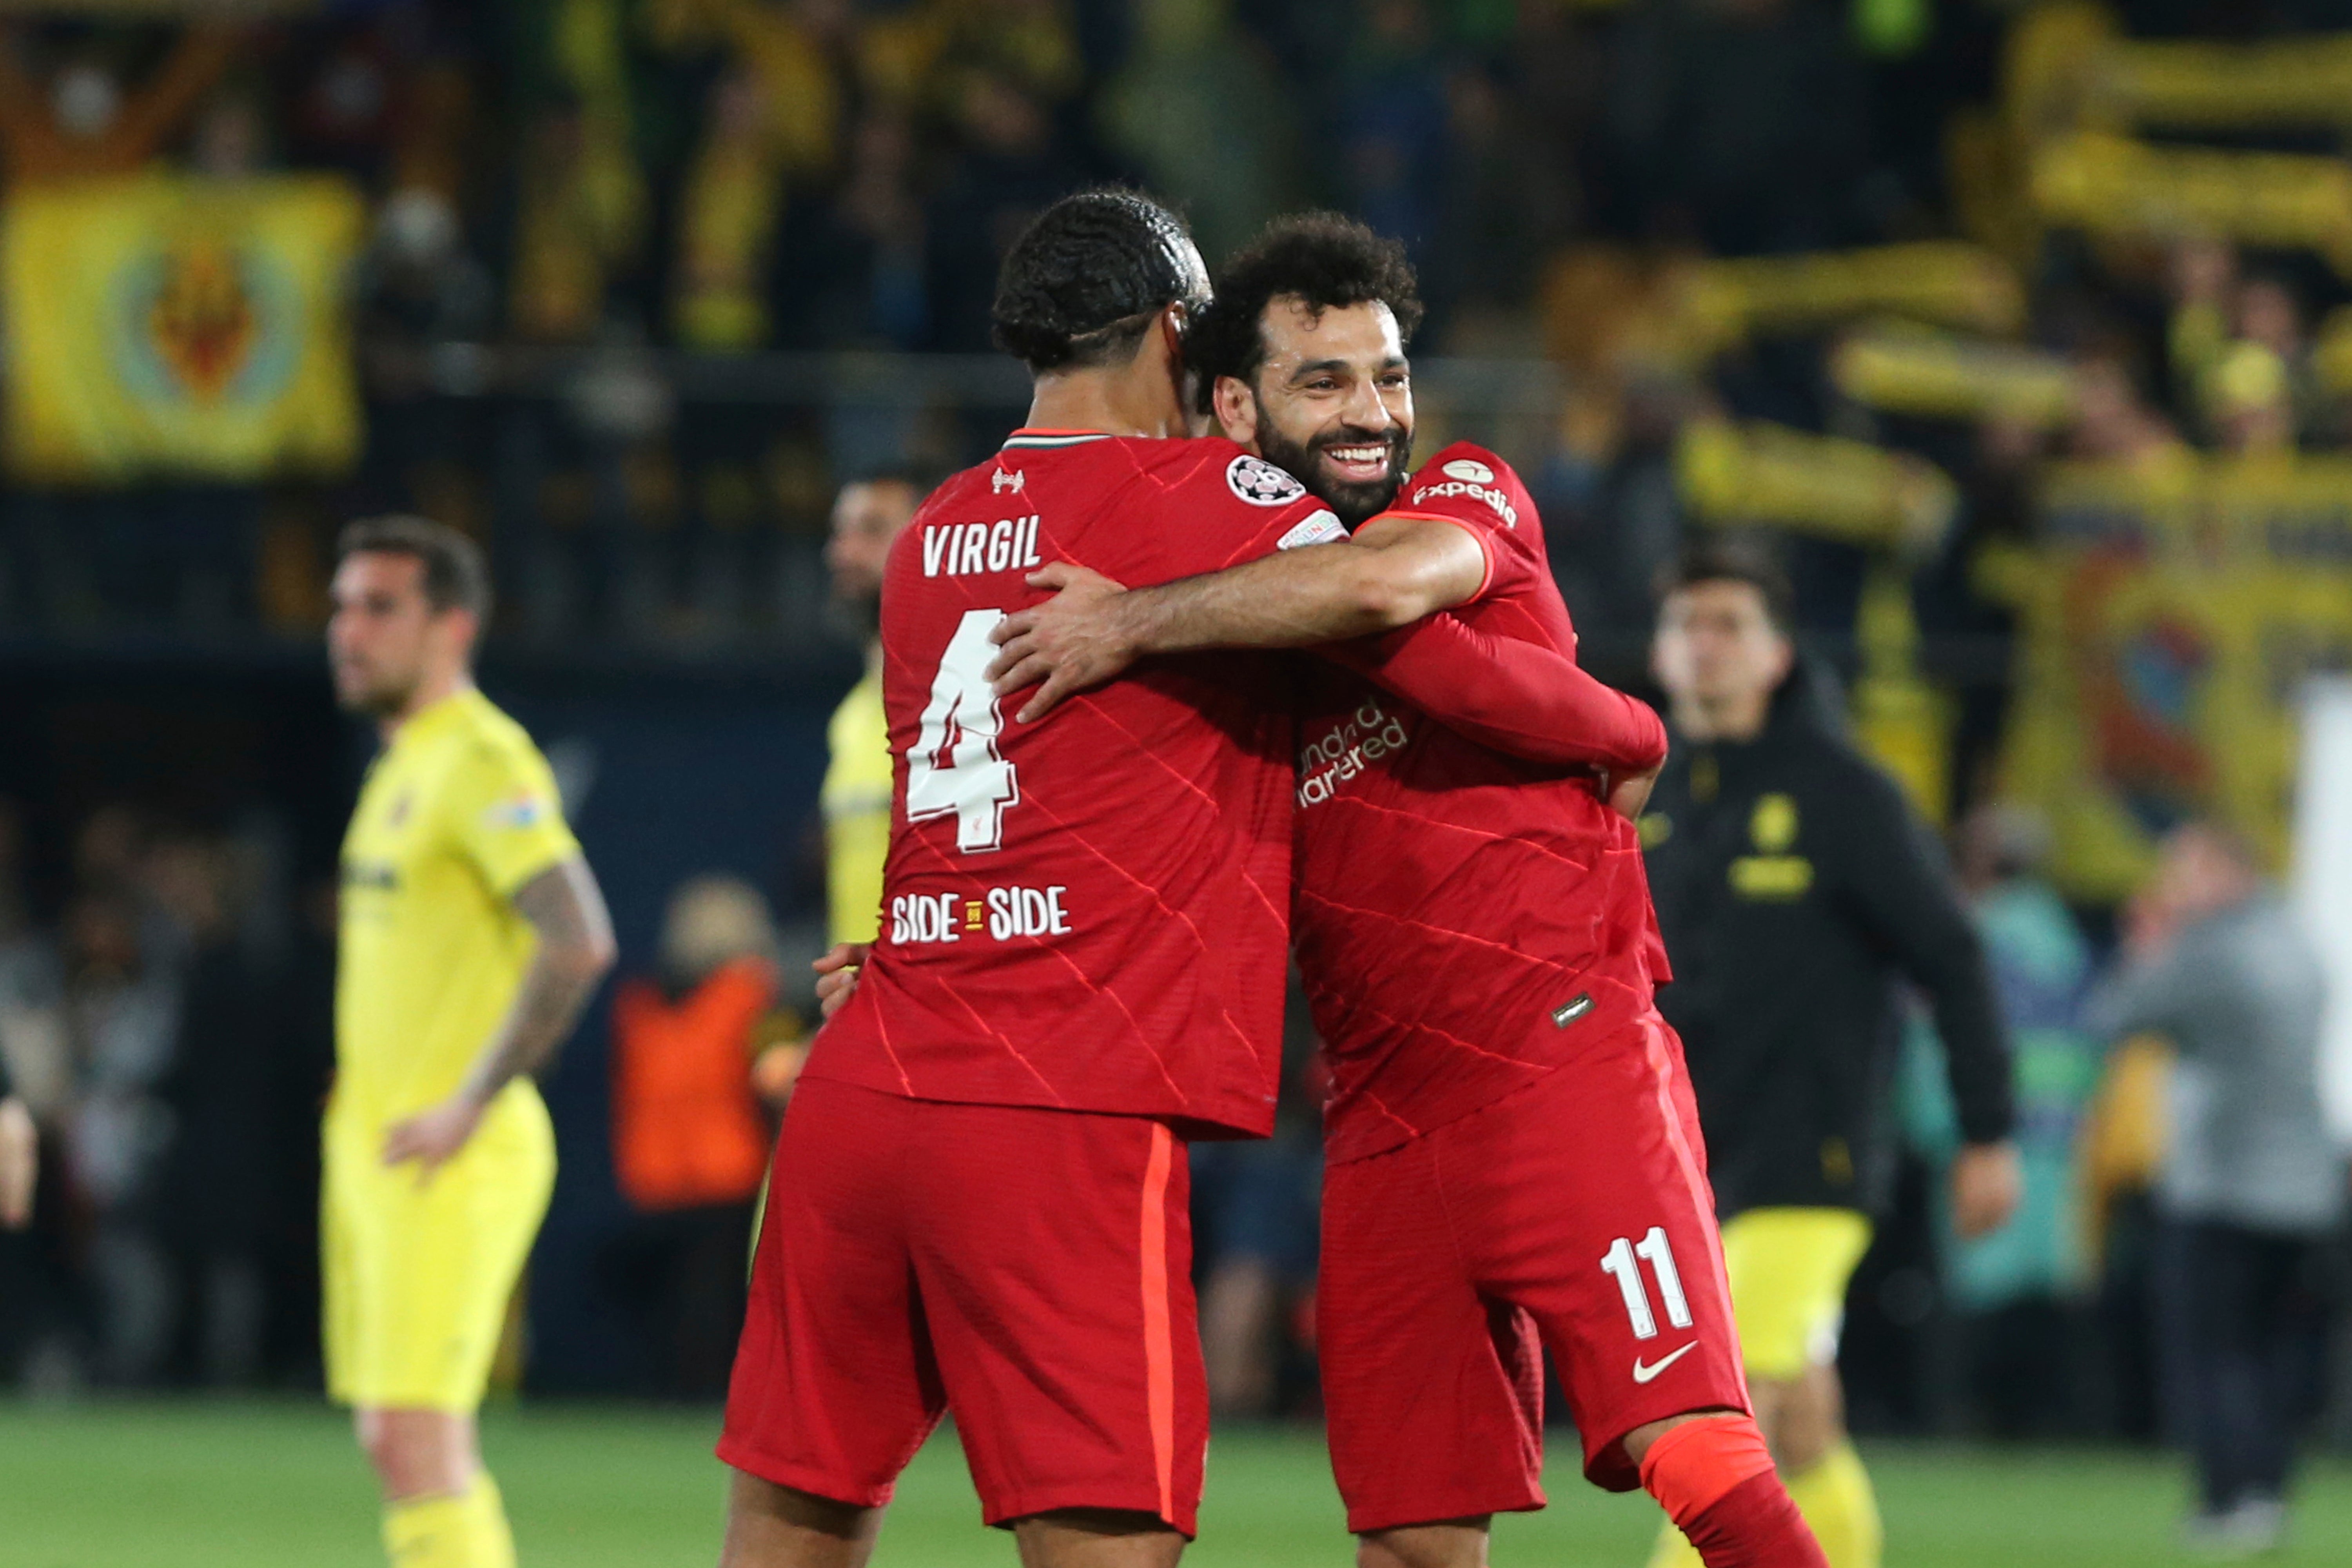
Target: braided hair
{"points": [[1323, 260], [1085, 280]]}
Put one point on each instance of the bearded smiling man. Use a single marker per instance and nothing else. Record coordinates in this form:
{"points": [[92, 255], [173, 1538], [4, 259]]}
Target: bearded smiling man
{"points": [[472, 935]]}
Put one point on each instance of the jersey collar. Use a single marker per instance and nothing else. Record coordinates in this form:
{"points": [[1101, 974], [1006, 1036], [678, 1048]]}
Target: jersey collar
{"points": [[1027, 439], [431, 721]]}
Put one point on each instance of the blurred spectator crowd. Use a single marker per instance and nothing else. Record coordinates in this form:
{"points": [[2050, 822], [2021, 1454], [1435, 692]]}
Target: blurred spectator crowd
{"points": [[603, 181], [167, 1015], [610, 179]]}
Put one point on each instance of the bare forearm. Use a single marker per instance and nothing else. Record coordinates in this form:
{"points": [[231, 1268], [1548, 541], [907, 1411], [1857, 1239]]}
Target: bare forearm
{"points": [[1390, 574], [575, 948], [1291, 600]]}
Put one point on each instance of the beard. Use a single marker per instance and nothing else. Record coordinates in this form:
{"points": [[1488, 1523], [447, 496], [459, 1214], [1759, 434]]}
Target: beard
{"points": [[373, 696], [380, 702], [1355, 500]]}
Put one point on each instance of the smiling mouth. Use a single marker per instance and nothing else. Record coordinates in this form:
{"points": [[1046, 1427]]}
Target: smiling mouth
{"points": [[1362, 462]]}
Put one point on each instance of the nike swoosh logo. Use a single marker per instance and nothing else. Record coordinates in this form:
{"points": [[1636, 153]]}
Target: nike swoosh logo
{"points": [[1644, 1372]]}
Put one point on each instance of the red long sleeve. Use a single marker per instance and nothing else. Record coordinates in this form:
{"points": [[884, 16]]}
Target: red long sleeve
{"points": [[1519, 697]]}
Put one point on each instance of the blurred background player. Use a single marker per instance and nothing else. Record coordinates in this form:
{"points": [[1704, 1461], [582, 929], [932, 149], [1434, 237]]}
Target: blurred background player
{"points": [[20, 1152], [2251, 1183], [1796, 888], [472, 935], [866, 516]]}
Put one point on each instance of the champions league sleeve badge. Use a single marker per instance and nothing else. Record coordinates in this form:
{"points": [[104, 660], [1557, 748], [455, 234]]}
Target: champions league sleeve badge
{"points": [[1260, 483]]}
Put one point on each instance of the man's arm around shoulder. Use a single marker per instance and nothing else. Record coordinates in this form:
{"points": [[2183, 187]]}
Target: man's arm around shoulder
{"points": [[1393, 572]]}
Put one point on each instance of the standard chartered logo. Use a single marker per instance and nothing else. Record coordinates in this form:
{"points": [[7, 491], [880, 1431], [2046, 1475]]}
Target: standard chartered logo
{"points": [[1339, 752]]}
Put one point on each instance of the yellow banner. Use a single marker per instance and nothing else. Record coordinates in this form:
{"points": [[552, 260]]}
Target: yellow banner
{"points": [[1943, 281], [2167, 623], [2199, 86], [1756, 471], [1910, 371], [160, 325], [2114, 185]]}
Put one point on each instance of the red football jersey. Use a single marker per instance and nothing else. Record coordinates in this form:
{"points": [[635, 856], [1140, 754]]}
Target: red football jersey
{"points": [[1087, 912], [1464, 920]]}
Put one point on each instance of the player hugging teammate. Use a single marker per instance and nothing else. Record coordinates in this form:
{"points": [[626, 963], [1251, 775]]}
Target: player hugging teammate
{"points": [[1514, 1157]]}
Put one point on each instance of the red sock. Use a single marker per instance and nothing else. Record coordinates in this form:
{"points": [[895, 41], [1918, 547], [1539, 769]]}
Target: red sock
{"points": [[1715, 1479], [1754, 1525]]}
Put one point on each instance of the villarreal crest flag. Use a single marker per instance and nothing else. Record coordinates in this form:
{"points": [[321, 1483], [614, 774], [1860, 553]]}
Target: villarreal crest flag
{"points": [[164, 325]]}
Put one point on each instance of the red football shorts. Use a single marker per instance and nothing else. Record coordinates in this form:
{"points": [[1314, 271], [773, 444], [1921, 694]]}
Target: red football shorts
{"points": [[1030, 1270], [1573, 1214]]}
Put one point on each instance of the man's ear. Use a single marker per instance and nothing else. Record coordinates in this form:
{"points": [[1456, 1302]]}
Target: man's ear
{"points": [[460, 629], [1236, 410], [1175, 319]]}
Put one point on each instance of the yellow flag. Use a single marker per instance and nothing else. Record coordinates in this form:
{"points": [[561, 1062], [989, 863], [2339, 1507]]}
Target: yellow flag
{"points": [[163, 324], [2167, 619]]}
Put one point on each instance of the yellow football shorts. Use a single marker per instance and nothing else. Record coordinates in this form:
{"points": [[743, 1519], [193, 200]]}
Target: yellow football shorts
{"points": [[417, 1278], [1788, 1269]]}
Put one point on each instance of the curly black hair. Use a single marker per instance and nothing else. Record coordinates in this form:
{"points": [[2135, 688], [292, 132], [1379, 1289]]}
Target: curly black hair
{"points": [[1084, 282], [1325, 259]]}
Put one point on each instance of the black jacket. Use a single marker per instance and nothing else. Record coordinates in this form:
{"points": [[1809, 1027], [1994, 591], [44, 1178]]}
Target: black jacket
{"points": [[1796, 886]]}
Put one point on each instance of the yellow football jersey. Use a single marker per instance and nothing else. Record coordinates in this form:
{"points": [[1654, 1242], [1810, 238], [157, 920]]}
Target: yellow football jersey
{"points": [[857, 802], [456, 815]]}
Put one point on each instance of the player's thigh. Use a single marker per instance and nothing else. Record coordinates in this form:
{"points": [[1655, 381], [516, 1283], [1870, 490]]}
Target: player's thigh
{"points": [[438, 1260], [1788, 1269], [1053, 1252], [835, 1386], [1407, 1345], [342, 1285], [1583, 1198]]}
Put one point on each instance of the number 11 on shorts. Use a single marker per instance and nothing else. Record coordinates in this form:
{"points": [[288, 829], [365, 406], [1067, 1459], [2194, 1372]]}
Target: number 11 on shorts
{"points": [[1621, 1261]]}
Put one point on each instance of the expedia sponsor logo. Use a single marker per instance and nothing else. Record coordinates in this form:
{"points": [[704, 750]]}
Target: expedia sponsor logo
{"points": [[1337, 755], [1464, 469], [1487, 493]]}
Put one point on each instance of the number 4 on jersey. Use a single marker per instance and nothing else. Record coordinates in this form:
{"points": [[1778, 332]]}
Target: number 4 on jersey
{"points": [[954, 767]]}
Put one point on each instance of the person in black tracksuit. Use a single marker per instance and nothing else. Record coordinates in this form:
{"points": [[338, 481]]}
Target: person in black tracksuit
{"points": [[1798, 891]]}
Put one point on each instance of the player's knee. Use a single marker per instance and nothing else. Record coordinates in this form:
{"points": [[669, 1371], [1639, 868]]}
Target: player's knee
{"points": [[417, 1453], [1690, 1462], [752, 1497], [1451, 1543], [1810, 1422], [1098, 1537], [772, 1526]]}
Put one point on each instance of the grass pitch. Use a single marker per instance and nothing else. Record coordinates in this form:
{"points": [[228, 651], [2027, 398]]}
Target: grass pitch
{"points": [[259, 1485]]}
